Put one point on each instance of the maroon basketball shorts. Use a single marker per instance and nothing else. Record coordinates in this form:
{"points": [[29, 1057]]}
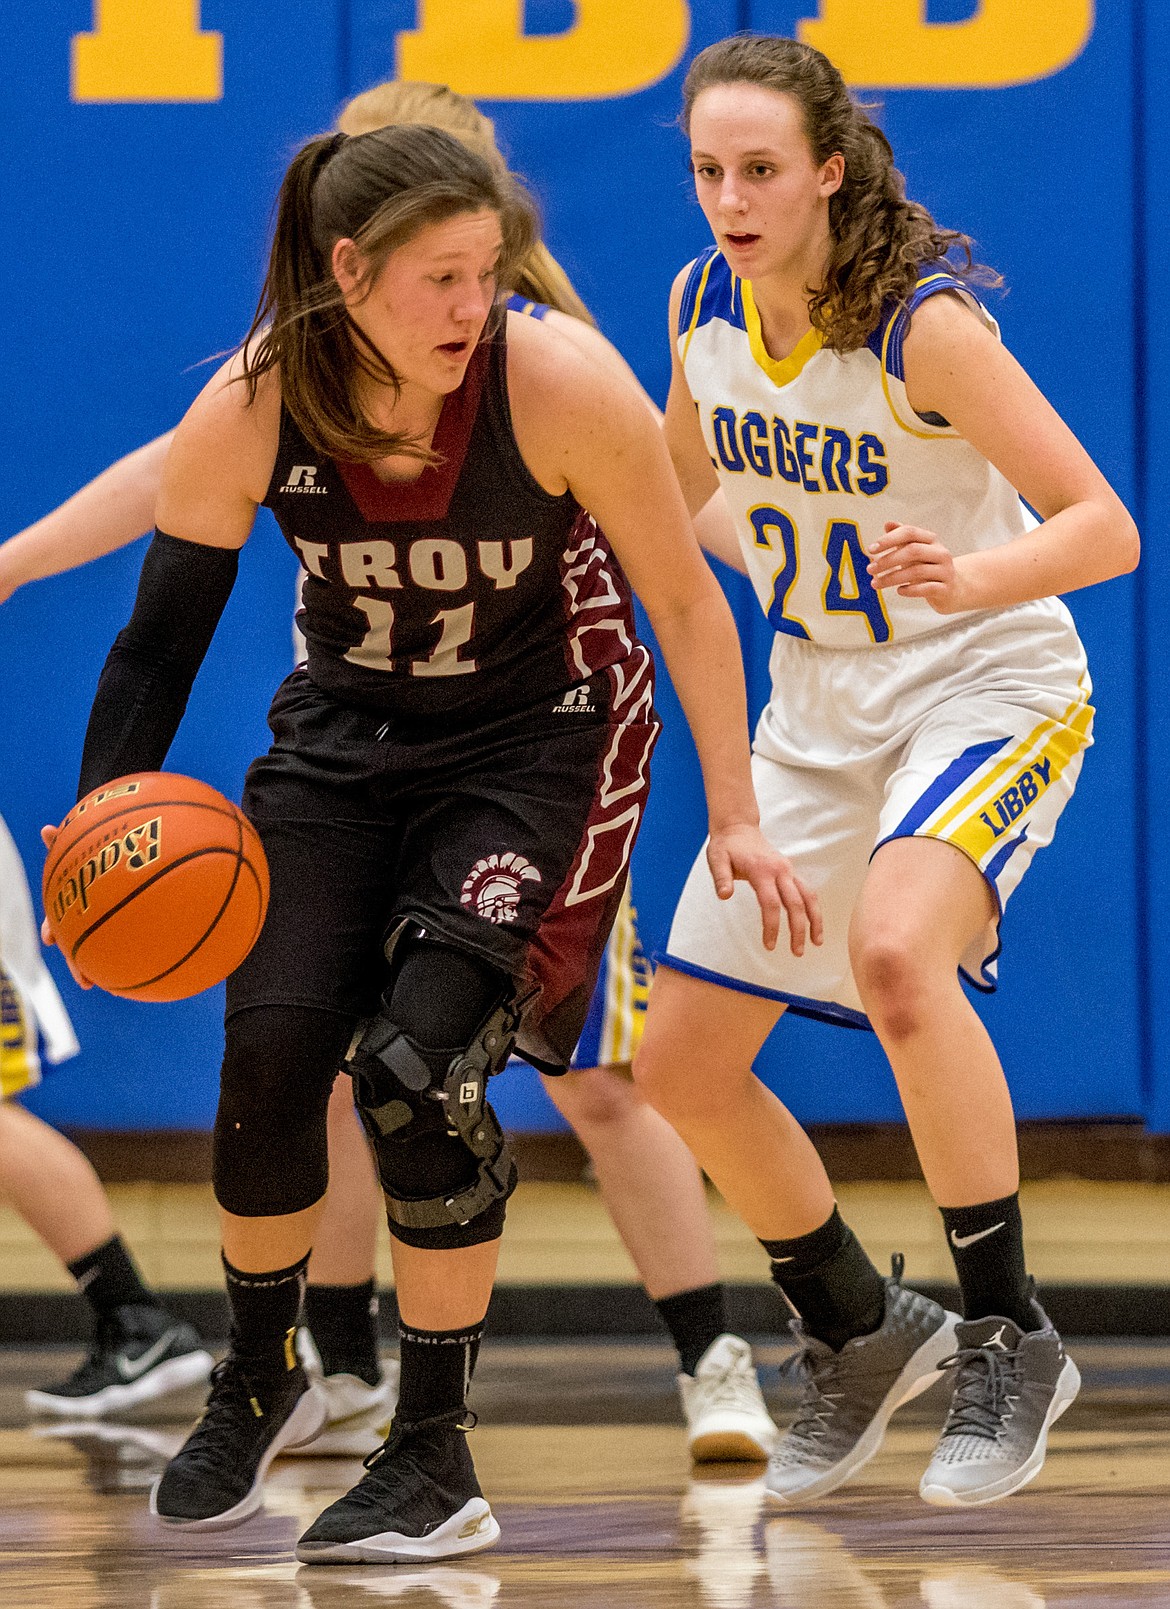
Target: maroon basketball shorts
{"points": [[510, 838]]}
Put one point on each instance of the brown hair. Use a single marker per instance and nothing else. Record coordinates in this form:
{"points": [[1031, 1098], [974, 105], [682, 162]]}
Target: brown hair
{"points": [[378, 189], [879, 240], [396, 103]]}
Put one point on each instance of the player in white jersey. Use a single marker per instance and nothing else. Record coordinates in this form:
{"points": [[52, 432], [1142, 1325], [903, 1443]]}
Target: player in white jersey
{"points": [[837, 378]]}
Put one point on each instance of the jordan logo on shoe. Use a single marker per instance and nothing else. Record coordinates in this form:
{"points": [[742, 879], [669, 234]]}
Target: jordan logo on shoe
{"points": [[969, 1240], [998, 1340], [132, 1368]]}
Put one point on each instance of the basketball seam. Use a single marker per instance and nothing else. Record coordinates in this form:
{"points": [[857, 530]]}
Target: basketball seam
{"points": [[194, 854], [51, 867], [148, 983]]}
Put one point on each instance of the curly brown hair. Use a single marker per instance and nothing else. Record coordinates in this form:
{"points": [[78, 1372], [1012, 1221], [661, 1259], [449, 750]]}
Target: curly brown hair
{"points": [[880, 241]]}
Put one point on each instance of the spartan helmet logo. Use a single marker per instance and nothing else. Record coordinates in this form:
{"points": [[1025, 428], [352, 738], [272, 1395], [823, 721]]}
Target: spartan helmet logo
{"points": [[493, 885]]}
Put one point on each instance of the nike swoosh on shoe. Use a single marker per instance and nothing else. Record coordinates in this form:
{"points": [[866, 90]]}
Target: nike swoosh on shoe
{"points": [[134, 1368]]}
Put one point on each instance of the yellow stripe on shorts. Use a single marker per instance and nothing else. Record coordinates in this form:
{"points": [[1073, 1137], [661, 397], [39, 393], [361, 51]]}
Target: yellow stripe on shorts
{"points": [[19, 1063], [977, 821]]}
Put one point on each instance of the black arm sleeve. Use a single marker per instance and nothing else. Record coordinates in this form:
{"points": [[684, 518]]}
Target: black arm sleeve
{"points": [[147, 678]]}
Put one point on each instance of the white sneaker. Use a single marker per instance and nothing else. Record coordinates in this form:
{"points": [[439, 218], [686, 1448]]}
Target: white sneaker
{"points": [[359, 1414], [724, 1406]]}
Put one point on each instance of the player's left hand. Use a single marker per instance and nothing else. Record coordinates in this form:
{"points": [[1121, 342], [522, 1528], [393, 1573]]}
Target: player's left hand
{"points": [[917, 565], [743, 854]]}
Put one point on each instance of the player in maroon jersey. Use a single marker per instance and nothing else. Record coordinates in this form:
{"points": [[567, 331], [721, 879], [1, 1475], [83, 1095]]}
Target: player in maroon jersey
{"points": [[455, 781]]}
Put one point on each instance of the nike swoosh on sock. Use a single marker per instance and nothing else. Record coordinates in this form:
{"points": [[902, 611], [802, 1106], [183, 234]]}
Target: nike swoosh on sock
{"points": [[969, 1240]]}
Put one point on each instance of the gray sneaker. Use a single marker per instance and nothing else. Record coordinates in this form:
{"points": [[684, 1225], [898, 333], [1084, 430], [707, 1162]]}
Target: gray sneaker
{"points": [[1011, 1388], [850, 1395]]}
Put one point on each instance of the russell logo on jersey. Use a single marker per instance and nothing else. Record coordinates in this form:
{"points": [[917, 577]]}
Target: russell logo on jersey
{"points": [[303, 478]]}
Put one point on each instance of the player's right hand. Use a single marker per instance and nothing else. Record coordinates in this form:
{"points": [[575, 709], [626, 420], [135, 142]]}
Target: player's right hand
{"points": [[743, 854], [48, 836]]}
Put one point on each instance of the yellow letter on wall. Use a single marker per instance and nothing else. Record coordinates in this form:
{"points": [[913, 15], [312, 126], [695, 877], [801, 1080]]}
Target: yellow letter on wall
{"points": [[147, 50], [479, 47], [889, 44]]}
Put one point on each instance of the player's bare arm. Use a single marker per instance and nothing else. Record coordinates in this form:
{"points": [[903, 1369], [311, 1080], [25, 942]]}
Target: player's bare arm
{"points": [[692, 462], [109, 512], [217, 471], [579, 430], [955, 367]]}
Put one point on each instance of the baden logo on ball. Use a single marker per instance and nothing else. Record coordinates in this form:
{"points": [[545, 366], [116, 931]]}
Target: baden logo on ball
{"points": [[155, 887]]}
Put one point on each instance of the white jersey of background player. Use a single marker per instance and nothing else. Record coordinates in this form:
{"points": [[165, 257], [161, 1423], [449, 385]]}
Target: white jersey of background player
{"points": [[835, 376]]}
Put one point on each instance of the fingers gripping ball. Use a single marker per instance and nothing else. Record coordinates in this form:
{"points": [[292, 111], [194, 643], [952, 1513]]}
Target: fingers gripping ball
{"points": [[156, 886]]}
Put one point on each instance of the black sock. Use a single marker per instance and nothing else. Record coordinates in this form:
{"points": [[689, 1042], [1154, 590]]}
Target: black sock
{"points": [[343, 1321], [437, 1366], [108, 1278], [987, 1243], [830, 1281], [694, 1319], [265, 1308]]}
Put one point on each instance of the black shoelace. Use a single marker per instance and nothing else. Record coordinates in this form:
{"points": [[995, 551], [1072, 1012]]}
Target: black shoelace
{"points": [[235, 1402], [395, 1465], [984, 1390]]}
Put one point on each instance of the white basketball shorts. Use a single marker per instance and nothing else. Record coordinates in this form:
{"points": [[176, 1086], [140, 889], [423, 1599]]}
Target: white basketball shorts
{"points": [[973, 734]]}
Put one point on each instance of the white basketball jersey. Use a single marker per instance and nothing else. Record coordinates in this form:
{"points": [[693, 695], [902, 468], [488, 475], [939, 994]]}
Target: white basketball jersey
{"points": [[816, 451]]}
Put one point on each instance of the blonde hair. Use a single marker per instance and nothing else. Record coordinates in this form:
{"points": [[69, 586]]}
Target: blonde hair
{"points": [[539, 277], [879, 240]]}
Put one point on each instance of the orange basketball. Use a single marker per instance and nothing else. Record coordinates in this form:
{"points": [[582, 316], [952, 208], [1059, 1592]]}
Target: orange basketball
{"points": [[155, 886]]}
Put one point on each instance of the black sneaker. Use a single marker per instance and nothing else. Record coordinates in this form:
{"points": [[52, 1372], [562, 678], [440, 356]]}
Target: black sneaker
{"points": [[138, 1355], [420, 1499], [216, 1478]]}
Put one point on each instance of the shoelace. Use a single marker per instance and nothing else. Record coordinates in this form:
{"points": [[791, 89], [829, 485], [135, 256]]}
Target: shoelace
{"points": [[983, 1392], [730, 1388], [234, 1395], [405, 1473], [818, 1405]]}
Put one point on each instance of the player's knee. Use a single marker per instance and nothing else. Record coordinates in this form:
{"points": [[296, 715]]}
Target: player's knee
{"points": [[677, 1085], [270, 1154], [893, 980], [595, 1100], [420, 1072]]}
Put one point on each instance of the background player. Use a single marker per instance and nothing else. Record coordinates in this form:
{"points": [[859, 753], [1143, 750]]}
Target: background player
{"points": [[645, 1172], [367, 351], [926, 726], [140, 1351]]}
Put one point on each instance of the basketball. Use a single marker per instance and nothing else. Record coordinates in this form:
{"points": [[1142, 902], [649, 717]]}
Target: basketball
{"points": [[155, 887]]}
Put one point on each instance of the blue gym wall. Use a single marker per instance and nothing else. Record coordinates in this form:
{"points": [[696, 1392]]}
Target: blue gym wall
{"points": [[138, 193]]}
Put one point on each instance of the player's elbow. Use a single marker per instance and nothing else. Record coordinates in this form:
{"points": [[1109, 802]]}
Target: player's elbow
{"points": [[1126, 543]]}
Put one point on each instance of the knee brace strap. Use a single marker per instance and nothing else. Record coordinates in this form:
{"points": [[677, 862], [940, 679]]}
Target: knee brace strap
{"points": [[459, 1085]]}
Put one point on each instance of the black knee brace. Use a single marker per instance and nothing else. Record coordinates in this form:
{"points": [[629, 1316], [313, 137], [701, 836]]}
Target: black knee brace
{"points": [[420, 1070]]}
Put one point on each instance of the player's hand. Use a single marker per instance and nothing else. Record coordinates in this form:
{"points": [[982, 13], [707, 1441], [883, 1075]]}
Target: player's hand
{"points": [[48, 835], [917, 565], [743, 854]]}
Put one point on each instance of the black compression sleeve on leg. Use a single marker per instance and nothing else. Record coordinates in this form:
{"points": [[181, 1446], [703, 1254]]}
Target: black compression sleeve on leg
{"points": [[147, 678]]}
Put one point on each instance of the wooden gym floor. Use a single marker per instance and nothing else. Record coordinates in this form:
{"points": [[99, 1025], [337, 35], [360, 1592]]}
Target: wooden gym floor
{"points": [[581, 1453]]}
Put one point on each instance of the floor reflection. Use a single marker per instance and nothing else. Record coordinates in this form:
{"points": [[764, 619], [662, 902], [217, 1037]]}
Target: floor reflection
{"points": [[609, 1517]]}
